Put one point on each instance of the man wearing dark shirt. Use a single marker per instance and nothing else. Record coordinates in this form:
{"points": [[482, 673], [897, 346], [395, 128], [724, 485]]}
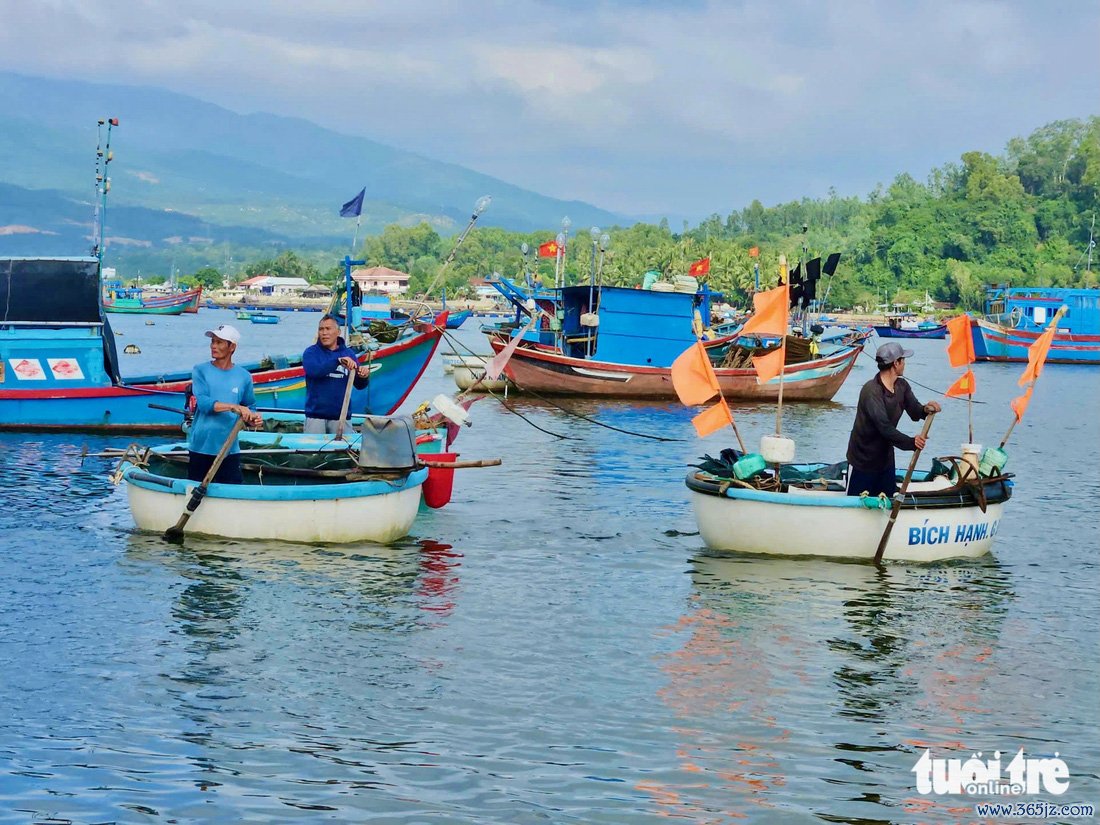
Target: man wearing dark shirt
{"points": [[875, 433]]}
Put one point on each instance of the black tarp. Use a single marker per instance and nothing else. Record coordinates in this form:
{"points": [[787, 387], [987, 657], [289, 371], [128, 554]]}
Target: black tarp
{"points": [[49, 290]]}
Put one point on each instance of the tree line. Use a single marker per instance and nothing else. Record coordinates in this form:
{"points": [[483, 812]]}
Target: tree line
{"points": [[1022, 217]]}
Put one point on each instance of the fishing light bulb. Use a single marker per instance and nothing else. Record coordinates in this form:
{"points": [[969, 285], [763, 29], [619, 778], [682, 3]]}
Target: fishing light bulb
{"points": [[482, 204], [595, 233], [524, 248], [561, 238], [605, 241], [565, 224]]}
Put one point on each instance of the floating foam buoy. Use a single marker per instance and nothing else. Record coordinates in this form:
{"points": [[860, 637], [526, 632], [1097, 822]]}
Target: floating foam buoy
{"points": [[777, 449], [148, 323], [132, 349]]}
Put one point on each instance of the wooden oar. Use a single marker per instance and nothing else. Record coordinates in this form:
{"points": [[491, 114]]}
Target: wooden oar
{"points": [[175, 532], [459, 465], [900, 494], [344, 407]]}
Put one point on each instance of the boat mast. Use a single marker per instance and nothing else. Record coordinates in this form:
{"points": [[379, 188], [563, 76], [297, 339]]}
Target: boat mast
{"points": [[103, 158]]}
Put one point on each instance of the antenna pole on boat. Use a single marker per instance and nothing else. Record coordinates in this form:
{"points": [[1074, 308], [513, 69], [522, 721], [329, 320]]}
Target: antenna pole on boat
{"points": [[594, 232], [348, 264], [803, 264], [479, 207], [103, 158]]}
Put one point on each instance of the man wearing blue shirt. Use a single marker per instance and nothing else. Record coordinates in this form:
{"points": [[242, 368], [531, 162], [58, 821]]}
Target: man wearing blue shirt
{"points": [[327, 365], [223, 391]]}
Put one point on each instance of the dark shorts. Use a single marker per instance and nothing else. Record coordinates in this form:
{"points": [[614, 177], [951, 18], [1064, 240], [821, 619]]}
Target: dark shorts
{"points": [[873, 483], [229, 473]]}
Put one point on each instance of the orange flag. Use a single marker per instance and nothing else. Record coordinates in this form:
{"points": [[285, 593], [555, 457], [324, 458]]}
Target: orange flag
{"points": [[713, 418], [771, 312], [770, 365], [700, 267], [1037, 353], [754, 251], [960, 352], [1019, 404], [964, 386], [693, 376]]}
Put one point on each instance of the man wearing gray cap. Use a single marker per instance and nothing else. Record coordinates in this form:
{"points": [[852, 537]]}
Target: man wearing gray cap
{"points": [[222, 391], [875, 432]]}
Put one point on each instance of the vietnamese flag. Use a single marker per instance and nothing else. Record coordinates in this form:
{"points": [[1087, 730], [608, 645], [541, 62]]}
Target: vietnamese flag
{"points": [[964, 386], [754, 251], [713, 418], [1019, 404], [693, 376], [960, 352], [700, 267], [548, 249]]}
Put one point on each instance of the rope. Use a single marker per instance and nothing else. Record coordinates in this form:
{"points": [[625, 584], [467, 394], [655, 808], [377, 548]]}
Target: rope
{"points": [[455, 343], [926, 387]]}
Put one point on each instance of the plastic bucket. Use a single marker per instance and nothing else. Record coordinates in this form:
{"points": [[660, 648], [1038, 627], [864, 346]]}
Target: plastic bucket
{"points": [[437, 487], [993, 461], [748, 466], [970, 453]]}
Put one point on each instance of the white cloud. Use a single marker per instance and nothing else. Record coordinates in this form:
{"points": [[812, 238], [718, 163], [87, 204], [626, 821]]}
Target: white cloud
{"points": [[676, 108]]}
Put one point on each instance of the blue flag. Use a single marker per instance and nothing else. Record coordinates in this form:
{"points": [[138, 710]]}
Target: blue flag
{"points": [[354, 207]]}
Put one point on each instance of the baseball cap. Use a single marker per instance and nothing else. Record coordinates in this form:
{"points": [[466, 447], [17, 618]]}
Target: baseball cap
{"points": [[225, 332], [890, 352]]}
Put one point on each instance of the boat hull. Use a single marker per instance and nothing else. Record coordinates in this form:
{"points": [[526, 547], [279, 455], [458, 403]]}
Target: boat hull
{"points": [[893, 332], [395, 369], [995, 342], [91, 409], [835, 525], [377, 511], [543, 371]]}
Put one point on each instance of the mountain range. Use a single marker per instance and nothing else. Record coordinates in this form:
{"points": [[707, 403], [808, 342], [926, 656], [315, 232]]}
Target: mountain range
{"points": [[186, 172]]}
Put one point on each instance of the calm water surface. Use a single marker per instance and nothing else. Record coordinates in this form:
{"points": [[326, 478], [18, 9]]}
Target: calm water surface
{"points": [[555, 646]]}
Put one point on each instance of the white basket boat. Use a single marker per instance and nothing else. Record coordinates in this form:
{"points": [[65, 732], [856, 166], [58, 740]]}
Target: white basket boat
{"points": [[368, 498], [939, 518]]}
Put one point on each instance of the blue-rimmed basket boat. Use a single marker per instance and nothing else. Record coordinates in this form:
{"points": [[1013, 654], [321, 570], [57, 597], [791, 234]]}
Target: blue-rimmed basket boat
{"points": [[940, 518], [367, 495]]}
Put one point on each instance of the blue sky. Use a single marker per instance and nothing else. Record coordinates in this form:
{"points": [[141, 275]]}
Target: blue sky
{"points": [[677, 109]]}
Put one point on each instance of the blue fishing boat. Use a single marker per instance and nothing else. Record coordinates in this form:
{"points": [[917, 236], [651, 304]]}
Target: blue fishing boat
{"points": [[58, 362], [907, 325], [1016, 316], [59, 367]]}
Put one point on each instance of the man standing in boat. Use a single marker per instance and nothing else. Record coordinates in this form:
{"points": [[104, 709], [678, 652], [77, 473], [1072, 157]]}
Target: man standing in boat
{"points": [[327, 365], [223, 391], [875, 433]]}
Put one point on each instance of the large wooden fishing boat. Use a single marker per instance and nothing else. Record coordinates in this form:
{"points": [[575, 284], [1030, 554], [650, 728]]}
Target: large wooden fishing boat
{"points": [[620, 343]]}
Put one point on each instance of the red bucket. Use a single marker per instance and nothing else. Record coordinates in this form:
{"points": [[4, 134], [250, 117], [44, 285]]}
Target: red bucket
{"points": [[440, 481]]}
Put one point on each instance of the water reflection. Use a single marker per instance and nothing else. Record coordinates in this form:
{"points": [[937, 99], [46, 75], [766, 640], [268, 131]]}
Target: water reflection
{"points": [[906, 652]]}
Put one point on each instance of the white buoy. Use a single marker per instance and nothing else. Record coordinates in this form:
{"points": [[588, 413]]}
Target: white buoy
{"points": [[590, 319], [777, 449]]}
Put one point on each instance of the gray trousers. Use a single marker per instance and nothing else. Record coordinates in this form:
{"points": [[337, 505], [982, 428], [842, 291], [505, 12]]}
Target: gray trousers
{"points": [[323, 426]]}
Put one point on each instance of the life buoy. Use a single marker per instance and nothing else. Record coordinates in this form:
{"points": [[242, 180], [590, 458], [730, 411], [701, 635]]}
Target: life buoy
{"points": [[1016, 315]]}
